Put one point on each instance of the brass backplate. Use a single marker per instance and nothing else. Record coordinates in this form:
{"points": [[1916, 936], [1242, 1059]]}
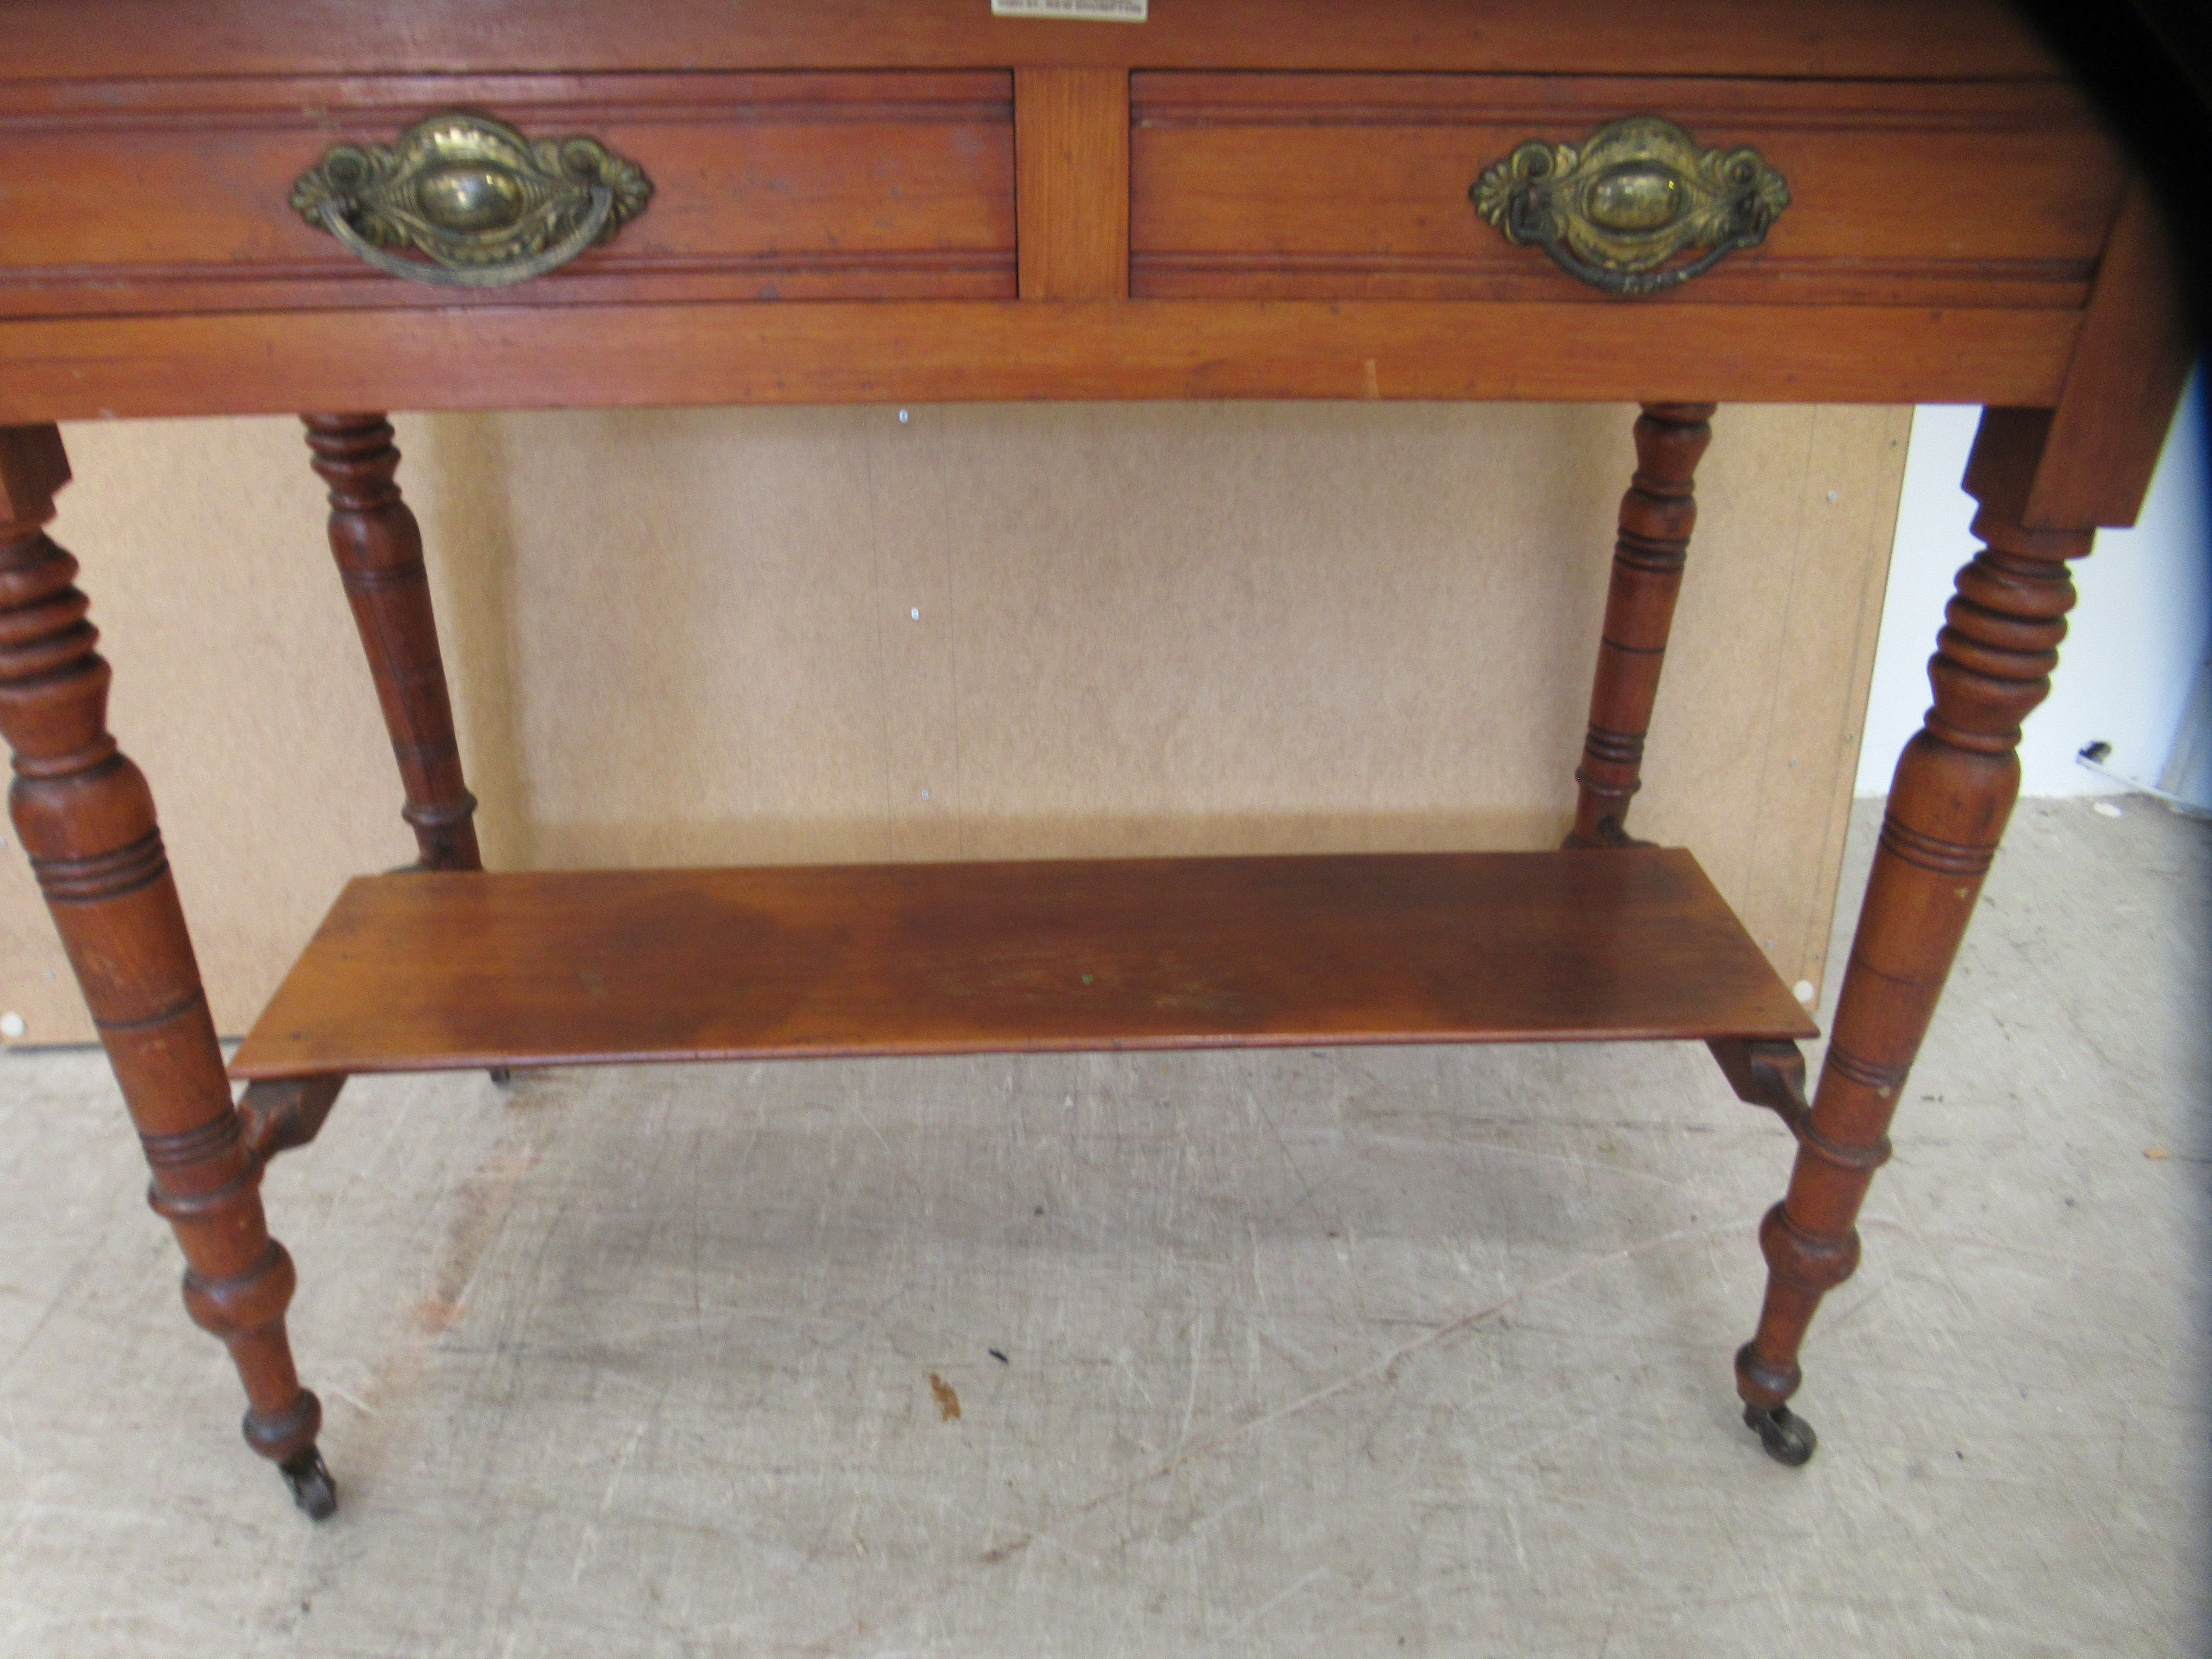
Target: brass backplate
{"points": [[1622, 210], [474, 198]]}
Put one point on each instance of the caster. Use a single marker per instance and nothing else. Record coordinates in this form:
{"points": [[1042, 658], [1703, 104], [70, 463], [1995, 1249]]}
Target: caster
{"points": [[1788, 1437], [312, 1489], [500, 1077]]}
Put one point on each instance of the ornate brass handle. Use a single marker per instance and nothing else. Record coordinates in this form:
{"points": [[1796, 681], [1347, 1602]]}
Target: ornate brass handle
{"points": [[483, 205], [1621, 209]]}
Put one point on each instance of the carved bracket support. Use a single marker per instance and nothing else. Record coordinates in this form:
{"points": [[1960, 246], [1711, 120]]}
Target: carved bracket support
{"points": [[282, 1116]]}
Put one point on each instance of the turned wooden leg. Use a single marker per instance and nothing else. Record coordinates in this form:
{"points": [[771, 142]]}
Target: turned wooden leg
{"points": [[1657, 516], [86, 818], [1954, 792], [379, 548]]}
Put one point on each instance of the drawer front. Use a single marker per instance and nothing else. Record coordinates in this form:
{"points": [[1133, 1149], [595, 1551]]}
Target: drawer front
{"points": [[1357, 186], [175, 195]]}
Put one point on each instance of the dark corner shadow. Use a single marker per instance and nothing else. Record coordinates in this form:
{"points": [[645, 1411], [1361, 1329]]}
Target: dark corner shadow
{"points": [[2148, 65]]}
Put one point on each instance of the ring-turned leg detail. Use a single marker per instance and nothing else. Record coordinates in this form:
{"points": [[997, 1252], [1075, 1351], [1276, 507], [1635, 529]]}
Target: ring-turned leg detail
{"points": [[1954, 791], [379, 548], [1657, 517], [86, 818]]}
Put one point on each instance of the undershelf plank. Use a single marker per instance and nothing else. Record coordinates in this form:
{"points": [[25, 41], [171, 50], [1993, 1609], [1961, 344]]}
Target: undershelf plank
{"points": [[426, 971]]}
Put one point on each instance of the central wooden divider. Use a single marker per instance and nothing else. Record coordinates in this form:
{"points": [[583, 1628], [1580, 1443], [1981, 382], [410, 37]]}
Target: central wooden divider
{"points": [[425, 971]]}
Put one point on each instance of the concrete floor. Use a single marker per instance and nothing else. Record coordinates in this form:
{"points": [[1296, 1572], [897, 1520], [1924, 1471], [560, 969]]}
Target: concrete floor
{"points": [[1416, 1351]]}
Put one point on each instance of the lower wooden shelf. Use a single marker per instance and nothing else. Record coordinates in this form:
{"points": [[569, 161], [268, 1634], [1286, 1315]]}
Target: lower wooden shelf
{"points": [[419, 972]]}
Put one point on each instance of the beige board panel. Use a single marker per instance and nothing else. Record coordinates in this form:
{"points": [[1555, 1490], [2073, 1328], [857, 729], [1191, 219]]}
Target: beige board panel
{"points": [[1774, 651], [692, 637]]}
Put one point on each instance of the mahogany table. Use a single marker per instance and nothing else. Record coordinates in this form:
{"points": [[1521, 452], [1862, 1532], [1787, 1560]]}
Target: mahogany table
{"points": [[268, 205]]}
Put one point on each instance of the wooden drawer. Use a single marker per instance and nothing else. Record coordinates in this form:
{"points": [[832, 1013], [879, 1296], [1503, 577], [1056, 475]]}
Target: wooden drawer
{"points": [[174, 196], [1357, 186]]}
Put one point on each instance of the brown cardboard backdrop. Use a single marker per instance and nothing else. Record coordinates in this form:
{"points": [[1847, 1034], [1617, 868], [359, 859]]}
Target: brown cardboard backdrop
{"points": [[691, 637]]}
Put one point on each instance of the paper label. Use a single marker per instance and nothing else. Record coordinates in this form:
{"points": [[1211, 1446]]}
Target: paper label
{"points": [[1095, 11]]}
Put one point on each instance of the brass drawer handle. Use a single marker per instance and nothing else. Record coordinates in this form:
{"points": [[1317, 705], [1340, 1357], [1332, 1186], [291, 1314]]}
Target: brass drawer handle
{"points": [[1631, 199], [483, 205]]}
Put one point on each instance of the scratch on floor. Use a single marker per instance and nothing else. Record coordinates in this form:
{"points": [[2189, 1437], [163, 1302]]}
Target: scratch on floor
{"points": [[483, 1203], [1189, 1410], [352, 1399], [1252, 1103], [1384, 1371], [1267, 1607], [607, 1501], [482, 1206]]}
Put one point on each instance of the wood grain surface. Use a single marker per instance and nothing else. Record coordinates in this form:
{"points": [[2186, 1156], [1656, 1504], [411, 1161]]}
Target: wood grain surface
{"points": [[1356, 186], [425, 971], [1073, 137], [175, 195]]}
